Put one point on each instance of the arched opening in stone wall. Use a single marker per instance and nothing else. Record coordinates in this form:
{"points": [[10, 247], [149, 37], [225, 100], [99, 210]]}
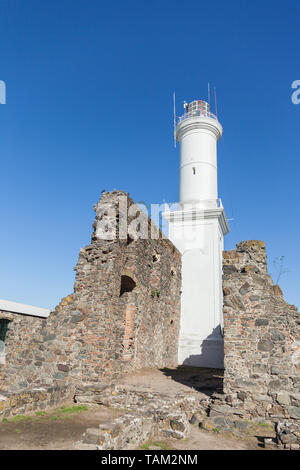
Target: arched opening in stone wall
{"points": [[127, 284]]}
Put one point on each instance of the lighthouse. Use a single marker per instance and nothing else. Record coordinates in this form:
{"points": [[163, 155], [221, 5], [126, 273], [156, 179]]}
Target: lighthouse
{"points": [[197, 227]]}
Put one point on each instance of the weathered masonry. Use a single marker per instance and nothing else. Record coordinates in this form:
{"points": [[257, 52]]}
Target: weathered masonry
{"points": [[261, 330], [262, 344], [123, 315], [21, 321]]}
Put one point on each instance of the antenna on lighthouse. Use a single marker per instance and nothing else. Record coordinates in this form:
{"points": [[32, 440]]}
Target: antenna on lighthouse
{"points": [[174, 118], [216, 109], [208, 96]]}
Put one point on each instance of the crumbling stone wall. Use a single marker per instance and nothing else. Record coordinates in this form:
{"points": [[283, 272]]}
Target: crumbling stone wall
{"points": [[261, 338], [123, 314], [19, 326]]}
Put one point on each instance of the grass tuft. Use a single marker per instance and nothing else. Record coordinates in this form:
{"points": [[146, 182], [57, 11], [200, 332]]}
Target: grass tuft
{"points": [[162, 445], [73, 409], [216, 430], [18, 418]]}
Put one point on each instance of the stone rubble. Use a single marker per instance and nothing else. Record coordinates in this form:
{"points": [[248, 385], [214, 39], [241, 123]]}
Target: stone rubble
{"points": [[147, 415]]}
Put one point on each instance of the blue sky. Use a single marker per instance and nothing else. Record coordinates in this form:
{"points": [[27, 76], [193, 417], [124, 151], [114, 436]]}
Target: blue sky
{"points": [[89, 107]]}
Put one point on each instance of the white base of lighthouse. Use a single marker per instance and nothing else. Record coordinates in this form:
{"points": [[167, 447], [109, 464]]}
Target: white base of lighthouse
{"points": [[198, 235]]}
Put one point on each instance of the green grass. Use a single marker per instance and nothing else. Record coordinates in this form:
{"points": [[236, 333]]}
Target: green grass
{"points": [[65, 412], [216, 430], [155, 293], [73, 409], [18, 418], [162, 445]]}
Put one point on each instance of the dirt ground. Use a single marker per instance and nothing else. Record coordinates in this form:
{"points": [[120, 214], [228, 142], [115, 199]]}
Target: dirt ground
{"points": [[60, 428], [204, 440], [172, 381], [57, 429]]}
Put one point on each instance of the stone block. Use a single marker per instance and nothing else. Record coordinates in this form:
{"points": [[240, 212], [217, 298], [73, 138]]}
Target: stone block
{"points": [[294, 412], [283, 398]]}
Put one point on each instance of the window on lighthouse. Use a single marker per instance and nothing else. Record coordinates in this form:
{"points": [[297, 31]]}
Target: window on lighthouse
{"points": [[194, 170]]}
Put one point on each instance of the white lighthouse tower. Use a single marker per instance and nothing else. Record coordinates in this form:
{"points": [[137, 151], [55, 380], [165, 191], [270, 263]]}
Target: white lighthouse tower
{"points": [[197, 227]]}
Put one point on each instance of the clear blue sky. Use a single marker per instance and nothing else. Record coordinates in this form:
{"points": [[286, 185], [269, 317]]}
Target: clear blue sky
{"points": [[89, 107]]}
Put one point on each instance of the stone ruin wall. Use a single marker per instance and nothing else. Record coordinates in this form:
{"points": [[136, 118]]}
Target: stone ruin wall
{"points": [[19, 327], [261, 343], [123, 315]]}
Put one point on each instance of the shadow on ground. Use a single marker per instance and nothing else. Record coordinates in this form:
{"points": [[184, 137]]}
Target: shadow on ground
{"points": [[207, 381]]}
